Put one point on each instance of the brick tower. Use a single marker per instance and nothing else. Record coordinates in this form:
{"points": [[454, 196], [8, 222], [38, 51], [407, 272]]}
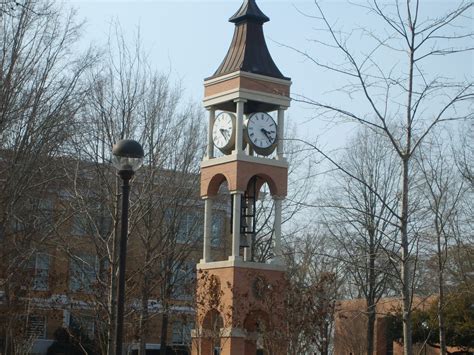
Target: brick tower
{"points": [[240, 303]]}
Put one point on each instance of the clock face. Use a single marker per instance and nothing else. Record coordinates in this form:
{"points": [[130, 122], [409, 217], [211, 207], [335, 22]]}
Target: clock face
{"points": [[261, 132], [223, 133]]}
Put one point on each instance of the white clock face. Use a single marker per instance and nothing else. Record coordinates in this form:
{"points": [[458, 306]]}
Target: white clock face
{"points": [[261, 132], [223, 133]]}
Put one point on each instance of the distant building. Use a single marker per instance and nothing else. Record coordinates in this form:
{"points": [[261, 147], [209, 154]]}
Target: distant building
{"points": [[55, 270], [350, 336]]}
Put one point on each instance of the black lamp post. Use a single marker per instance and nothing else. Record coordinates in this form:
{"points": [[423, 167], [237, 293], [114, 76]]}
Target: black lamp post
{"points": [[127, 158]]}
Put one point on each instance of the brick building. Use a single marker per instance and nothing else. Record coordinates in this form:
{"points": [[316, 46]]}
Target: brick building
{"points": [[55, 268], [351, 325]]}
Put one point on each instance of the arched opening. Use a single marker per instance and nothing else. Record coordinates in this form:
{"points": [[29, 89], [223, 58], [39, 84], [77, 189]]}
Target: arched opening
{"points": [[214, 185], [265, 179], [212, 326], [256, 325], [221, 222], [216, 215], [258, 218]]}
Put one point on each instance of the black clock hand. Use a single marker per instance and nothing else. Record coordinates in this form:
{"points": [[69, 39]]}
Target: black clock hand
{"points": [[266, 133], [224, 133]]}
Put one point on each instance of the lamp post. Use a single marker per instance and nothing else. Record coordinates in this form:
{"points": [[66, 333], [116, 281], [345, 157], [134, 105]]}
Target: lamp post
{"points": [[127, 158]]}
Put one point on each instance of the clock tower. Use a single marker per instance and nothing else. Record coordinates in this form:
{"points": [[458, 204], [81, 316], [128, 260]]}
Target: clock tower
{"points": [[240, 302]]}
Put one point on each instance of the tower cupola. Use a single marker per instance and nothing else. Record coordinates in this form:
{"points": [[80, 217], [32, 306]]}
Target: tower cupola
{"points": [[248, 71], [248, 50]]}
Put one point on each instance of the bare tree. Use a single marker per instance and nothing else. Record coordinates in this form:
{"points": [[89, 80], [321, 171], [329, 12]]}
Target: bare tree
{"points": [[400, 97], [170, 211], [41, 89], [444, 192], [130, 100], [363, 226], [315, 278]]}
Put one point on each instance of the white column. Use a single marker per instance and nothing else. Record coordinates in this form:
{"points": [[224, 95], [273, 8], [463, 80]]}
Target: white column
{"points": [[278, 259], [280, 132], [237, 196], [210, 126], [239, 125], [206, 257]]}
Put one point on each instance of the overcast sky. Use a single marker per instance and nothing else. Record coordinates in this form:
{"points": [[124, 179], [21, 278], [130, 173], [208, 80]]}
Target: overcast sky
{"points": [[191, 37]]}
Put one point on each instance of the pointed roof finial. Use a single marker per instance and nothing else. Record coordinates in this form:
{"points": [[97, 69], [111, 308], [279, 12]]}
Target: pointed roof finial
{"points": [[249, 11]]}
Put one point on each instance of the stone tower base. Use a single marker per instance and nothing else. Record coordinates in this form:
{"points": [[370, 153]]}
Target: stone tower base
{"points": [[240, 308]]}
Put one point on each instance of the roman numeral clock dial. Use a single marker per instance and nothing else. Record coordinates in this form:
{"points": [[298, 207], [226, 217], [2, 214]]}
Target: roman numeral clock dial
{"points": [[223, 132], [261, 132]]}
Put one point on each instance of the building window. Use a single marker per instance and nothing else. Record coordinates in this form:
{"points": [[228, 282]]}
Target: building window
{"points": [[17, 225], [190, 227], [182, 333], [39, 264], [183, 280], [82, 326], [35, 326], [45, 209], [104, 225], [79, 225], [82, 273]]}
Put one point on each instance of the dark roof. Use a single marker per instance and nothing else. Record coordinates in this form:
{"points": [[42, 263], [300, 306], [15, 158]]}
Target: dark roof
{"points": [[249, 11], [248, 51]]}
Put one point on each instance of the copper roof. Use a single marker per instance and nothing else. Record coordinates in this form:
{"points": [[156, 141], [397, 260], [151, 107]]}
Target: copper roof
{"points": [[248, 51]]}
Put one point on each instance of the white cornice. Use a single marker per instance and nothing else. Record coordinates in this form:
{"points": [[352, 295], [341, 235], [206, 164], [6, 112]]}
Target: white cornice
{"points": [[247, 94], [244, 157], [240, 264], [236, 74]]}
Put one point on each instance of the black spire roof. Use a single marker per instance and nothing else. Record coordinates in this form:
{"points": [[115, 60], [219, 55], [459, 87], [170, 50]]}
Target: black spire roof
{"points": [[249, 11], [248, 51]]}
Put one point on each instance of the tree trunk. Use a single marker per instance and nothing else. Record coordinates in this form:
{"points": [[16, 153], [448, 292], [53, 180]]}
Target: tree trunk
{"points": [[145, 289], [326, 340], [371, 294], [142, 327], [370, 329], [405, 266], [164, 331], [405, 157], [7, 339], [142, 331], [113, 303], [442, 330]]}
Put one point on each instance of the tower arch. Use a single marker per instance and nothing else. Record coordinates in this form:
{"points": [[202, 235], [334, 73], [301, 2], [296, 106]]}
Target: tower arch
{"points": [[238, 173], [260, 180], [211, 187]]}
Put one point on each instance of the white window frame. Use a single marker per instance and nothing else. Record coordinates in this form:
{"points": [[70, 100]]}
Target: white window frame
{"points": [[183, 329], [40, 282], [85, 322], [31, 329], [84, 278], [79, 225], [190, 226], [182, 276]]}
